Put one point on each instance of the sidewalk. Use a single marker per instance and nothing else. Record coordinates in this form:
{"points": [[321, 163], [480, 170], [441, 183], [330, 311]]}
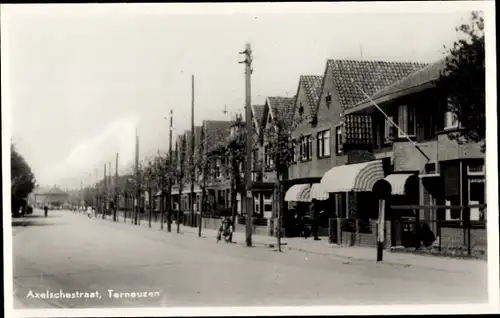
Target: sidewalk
{"points": [[323, 247]]}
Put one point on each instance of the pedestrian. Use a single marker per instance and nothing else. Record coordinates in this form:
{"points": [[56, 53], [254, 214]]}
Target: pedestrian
{"points": [[314, 219]]}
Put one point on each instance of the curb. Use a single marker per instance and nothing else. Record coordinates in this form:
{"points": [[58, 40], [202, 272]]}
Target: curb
{"points": [[273, 245]]}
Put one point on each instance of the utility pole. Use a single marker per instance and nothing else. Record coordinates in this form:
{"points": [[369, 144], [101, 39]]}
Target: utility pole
{"points": [[170, 174], [249, 139], [96, 206], [116, 189], [81, 195], [191, 158], [110, 186], [138, 191], [105, 201]]}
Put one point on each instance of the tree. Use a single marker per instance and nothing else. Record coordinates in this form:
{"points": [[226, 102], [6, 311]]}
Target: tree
{"points": [[22, 180], [463, 81], [236, 154], [179, 162], [280, 148]]}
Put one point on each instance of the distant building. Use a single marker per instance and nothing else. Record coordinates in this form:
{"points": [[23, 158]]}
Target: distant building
{"points": [[49, 196]]}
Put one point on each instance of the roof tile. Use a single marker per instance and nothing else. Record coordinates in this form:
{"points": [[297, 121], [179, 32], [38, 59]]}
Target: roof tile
{"points": [[282, 107], [312, 88], [258, 112], [371, 76], [423, 76]]}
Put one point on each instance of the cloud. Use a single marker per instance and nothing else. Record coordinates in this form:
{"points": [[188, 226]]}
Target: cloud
{"points": [[92, 153]]}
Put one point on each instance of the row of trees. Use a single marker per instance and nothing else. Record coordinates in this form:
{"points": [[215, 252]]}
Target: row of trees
{"points": [[463, 79], [22, 181]]}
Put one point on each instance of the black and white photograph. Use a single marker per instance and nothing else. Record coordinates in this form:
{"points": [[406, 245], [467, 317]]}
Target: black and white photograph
{"points": [[249, 159]]}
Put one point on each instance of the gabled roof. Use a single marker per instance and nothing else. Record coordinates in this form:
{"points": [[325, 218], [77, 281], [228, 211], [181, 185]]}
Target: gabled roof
{"points": [[216, 133], [371, 76], [312, 88], [281, 107], [197, 135], [258, 112]]}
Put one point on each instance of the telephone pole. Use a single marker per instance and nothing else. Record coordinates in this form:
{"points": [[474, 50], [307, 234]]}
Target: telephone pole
{"points": [[105, 193], [191, 157], [138, 191], [96, 206], [116, 189], [170, 168], [249, 139]]}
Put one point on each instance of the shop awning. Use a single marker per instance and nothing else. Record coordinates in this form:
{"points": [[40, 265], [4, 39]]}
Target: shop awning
{"points": [[398, 182], [318, 193], [359, 177], [298, 193]]}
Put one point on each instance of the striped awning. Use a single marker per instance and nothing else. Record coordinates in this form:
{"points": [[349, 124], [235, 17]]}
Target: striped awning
{"points": [[398, 182], [318, 193], [359, 177], [298, 193]]}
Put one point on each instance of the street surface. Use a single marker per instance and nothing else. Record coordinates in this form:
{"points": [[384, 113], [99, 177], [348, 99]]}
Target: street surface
{"points": [[71, 253]]}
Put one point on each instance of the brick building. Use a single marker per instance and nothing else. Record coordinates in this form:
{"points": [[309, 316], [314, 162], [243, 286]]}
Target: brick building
{"points": [[321, 151], [445, 173]]}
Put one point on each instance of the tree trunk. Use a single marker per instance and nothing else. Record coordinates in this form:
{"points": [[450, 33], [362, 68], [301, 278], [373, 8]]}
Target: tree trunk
{"points": [[179, 208], [126, 208], [278, 209], [150, 214]]}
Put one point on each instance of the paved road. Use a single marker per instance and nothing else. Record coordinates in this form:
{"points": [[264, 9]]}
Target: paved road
{"points": [[71, 253]]}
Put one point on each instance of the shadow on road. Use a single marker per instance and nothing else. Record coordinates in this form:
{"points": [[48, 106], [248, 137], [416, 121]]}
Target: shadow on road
{"points": [[24, 222], [36, 216]]}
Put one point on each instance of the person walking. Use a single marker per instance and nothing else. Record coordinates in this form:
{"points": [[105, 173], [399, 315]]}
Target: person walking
{"points": [[46, 210]]}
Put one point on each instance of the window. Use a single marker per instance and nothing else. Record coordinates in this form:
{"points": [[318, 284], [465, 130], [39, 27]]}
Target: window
{"points": [[450, 120], [453, 214], [257, 203], [339, 144], [301, 109], [450, 117], [294, 150], [305, 148], [475, 169], [323, 144], [217, 169], [406, 121], [429, 125], [328, 99], [266, 156], [477, 196], [388, 130]]}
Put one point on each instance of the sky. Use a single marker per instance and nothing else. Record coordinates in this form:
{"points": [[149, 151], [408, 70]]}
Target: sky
{"points": [[80, 79]]}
